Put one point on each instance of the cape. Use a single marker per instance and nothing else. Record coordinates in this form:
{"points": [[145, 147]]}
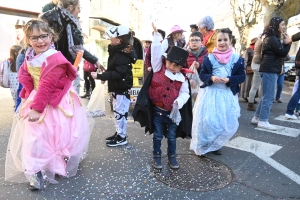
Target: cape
{"points": [[143, 112]]}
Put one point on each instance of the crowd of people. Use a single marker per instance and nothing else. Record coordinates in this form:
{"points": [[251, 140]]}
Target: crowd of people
{"points": [[51, 127]]}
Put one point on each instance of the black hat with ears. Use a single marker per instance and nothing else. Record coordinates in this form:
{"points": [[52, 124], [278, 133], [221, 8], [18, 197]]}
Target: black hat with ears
{"points": [[177, 55], [163, 33], [194, 26]]}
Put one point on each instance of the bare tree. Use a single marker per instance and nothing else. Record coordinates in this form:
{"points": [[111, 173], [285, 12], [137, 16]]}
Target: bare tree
{"points": [[280, 8], [246, 13]]}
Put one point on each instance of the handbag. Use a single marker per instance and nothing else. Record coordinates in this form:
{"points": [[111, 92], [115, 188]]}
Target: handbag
{"points": [[249, 70], [89, 67]]}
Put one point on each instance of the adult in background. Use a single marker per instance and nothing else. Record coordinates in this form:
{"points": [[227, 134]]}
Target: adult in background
{"points": [[272, 51], [248, 56], [206, 27], [64, 20], [173, 39], [255, 65], [49, 6]]}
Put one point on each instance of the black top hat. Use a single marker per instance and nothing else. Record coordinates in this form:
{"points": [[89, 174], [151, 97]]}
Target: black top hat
{"points": [[19, 23], [194, 26], [177, 55]]}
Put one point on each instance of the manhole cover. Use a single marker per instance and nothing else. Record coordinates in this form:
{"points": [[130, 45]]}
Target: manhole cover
{"points": [[195, 173]]}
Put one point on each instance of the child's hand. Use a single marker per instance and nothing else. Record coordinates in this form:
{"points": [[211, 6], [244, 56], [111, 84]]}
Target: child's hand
{"points": [[94, 75], [33, 116], [176, 102], [154, 27], [196, 64], [102, 82], [225, 80], [216, 79], [149, 69]]}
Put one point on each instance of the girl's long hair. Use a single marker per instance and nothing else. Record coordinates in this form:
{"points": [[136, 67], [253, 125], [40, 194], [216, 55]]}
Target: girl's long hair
{"points": [[14, 51]]}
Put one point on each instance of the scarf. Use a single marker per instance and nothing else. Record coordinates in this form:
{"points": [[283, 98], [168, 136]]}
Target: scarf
{"points": [[222, 56], [196, 53], [30, 53], [72, 24], [206, 38]]}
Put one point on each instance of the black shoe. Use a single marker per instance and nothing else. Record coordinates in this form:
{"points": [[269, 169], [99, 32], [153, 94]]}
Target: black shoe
{"points": [[37, 182], [218, 152], [278, 101], [108, 139], [117, 141], [85, 96], [245, 99]]}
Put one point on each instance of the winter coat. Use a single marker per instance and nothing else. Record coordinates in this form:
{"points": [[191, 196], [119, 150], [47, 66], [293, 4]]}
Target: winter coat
{"points": [[191, 58], [119, 68], [52, 17], [56, 78], [273, 52], [237, 75]]}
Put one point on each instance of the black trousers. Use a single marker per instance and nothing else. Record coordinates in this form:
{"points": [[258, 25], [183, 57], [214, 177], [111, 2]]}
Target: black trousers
{"points": [[88, 81]]}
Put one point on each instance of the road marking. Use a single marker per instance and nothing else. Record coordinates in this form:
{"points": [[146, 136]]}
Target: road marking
{"points": [[263, 151], [282, 118], [282, 130]]}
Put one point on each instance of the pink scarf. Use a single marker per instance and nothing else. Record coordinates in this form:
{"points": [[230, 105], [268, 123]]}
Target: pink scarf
{"points": [[222, 56]]}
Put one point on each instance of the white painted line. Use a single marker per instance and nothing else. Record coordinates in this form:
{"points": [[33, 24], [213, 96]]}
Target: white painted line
{"points": [[282, 118], [263, 151], [282, 130], [284, 170], [253, 146]]}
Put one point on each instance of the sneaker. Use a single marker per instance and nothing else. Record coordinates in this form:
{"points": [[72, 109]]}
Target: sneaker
{"points": [[157, 162], [117, 141], [108, 139], [266, 125], [173, 162], [287, 116], [254, 120]]}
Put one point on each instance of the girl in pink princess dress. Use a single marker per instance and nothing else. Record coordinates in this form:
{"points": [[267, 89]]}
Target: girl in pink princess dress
{"points": [[51, 130]]}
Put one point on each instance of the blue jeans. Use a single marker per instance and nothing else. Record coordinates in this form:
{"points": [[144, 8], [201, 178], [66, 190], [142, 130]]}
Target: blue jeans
{"points": [[294, 100], [280, 83], [263, 109], [160, 120]]}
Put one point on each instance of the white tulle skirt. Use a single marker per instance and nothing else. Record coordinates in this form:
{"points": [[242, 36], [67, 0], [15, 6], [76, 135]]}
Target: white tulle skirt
{"points": [[54, 145], [215, 118]]}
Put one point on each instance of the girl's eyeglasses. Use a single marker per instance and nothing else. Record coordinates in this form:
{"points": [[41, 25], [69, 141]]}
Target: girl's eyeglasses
{"points": [[43, 37]]}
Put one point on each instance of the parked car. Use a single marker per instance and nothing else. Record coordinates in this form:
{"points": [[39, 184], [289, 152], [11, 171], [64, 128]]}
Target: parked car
{"points": [[289, 69]]}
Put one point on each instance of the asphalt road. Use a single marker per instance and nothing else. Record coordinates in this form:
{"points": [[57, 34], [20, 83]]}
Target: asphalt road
{"points": [[265, 164]]}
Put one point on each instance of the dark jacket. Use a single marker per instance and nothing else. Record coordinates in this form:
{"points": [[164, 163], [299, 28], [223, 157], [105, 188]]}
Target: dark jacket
{"points": [[53, 18], [191, 58], [143, 112], [119, 68], [237, 75], [295, 38], [273, 52]]}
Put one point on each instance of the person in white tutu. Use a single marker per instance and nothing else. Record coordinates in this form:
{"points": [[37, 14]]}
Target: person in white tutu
{"points": [[216, 111]]}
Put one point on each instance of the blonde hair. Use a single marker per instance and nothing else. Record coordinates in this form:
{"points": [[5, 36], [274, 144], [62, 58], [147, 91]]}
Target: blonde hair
{"points": [[40, 25], [66, 3], [14, 51]]}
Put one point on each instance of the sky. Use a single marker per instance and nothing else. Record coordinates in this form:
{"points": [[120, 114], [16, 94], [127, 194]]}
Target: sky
{"points": [[167, 13]]}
